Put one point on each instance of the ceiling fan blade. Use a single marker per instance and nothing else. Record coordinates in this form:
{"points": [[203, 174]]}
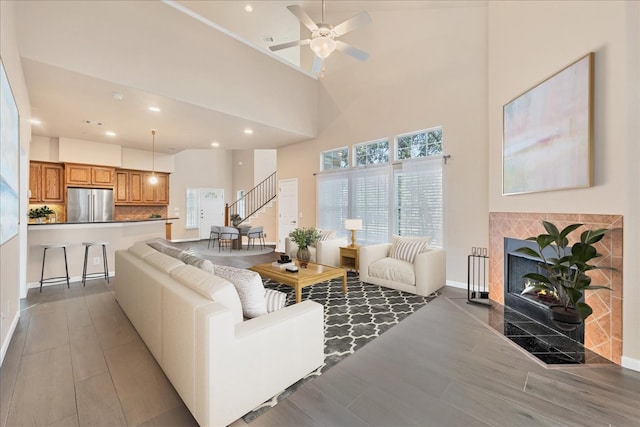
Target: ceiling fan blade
{"points": [[317, 65], [303, 17], [352, 23], [289, 44], [360, 55]]}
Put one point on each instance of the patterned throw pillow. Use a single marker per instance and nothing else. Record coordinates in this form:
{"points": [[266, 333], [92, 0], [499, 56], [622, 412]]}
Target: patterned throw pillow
{"points": [[407, 249], [327, 235], [275, 299]]}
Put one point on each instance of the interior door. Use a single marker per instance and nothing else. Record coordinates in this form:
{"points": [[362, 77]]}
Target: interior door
{"points": [[288, 209], [211, 205]]}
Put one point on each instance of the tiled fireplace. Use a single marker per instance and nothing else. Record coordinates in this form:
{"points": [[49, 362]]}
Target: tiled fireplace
{"points": [[603, 329]]}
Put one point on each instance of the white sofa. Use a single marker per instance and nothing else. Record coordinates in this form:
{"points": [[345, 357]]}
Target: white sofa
{"points": [[326, 252], [221, 365], [424, 276]]}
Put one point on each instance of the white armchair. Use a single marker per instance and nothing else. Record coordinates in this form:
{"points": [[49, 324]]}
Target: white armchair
{"points": [[424, 276], [325, 252]]}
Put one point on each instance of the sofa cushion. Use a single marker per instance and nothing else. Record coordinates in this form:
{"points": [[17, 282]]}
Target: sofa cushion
{"points": [[196, 261], [163, 262], [249, 286], [172, 251], [141, 250], [211, 287], [394, 270], [406, 250], [275, 299]]}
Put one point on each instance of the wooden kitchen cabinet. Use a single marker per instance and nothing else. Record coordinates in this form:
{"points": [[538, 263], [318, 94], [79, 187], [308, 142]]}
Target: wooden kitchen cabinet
{"points": [[120, 195], [46, 182], [89, 176], [129, 187], [157, 194]]}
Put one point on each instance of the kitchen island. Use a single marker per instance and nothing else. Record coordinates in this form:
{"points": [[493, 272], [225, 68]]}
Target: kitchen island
{"points": [[119, 234]]}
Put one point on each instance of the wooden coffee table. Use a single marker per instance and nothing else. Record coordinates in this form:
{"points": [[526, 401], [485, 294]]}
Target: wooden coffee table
{"points": [[314, 273]]}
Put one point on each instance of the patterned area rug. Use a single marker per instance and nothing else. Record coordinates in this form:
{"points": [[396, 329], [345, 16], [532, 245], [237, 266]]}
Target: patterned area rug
{"points": [[350, 321]]}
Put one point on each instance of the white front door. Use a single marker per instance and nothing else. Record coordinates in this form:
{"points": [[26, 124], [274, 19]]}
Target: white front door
{"points": [[288, 209], [211, 205]]}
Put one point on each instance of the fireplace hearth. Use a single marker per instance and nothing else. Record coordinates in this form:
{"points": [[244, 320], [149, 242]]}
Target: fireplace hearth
{"points": [[603, 329], [533, 305]]}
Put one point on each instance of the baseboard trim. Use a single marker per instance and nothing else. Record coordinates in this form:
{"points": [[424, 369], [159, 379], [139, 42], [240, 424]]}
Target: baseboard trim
{"points": [[631, 363], [456, 284], [7, 341]]}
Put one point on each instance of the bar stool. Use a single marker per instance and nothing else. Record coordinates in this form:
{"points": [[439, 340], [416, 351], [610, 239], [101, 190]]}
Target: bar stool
{"points": [[57, 279], [104, 273]]}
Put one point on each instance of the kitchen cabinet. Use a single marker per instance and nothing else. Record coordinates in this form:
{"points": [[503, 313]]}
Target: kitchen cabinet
{"points": [[46, 182], [128, 189], [156, 194], [89, 176]]}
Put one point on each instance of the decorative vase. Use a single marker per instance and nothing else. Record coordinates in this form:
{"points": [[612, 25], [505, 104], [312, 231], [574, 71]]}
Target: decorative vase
{"points": [[567, 320], [303, 256], [39, 220]]}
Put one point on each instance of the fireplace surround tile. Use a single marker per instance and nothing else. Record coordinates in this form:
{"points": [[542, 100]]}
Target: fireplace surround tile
{"points": [[603, 331]]}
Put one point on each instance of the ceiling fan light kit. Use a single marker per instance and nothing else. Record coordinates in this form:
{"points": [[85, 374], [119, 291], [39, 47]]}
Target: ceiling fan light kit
{"points": [[323, 36]]}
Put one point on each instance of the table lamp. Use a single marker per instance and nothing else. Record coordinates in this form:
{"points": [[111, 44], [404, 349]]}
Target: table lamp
{"points": [[353, 225]]}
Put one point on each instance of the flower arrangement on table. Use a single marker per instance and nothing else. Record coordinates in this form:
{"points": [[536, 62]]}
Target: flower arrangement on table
{"points": [[304, 237], [235, 219]]}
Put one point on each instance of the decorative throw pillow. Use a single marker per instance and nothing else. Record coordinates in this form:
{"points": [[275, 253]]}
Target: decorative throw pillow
{"points": [[406, 249], [249, 286], [196, 261], [275, 299], [327, 235]]}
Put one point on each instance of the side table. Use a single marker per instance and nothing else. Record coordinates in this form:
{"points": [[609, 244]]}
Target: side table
{"points": [[350, 257]]}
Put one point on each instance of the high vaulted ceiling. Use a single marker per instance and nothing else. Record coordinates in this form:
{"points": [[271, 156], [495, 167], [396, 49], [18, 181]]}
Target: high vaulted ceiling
{"points": [[205, 64]]}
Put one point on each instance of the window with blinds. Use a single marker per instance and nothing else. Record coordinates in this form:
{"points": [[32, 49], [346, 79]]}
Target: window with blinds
{"points": [[404, 198]]}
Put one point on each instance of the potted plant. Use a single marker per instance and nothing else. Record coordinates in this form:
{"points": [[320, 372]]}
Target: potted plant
{"points": [[235, 219], [304, 237], [566, 273], [39, 213]]}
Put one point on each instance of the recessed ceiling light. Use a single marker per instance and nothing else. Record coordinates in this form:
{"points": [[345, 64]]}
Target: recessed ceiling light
{"points": [[154, 109], [35, 122], [215, 144], [110, 133], [248, 8], [248, 131], [117, 96]]}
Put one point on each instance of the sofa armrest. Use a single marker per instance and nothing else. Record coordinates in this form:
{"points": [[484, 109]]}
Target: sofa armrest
{"points": [[369, 254], [261, 358], [430, 268], [328, 251]]}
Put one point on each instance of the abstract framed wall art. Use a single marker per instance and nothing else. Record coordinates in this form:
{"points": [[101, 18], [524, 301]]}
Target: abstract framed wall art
{"points": [[548, 133], [9, 160]]}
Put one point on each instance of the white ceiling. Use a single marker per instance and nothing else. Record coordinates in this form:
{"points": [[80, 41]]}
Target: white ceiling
{"points": [[68, 50]]}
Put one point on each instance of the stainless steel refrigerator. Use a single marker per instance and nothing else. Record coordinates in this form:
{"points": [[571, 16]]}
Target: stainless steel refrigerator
{"points": [[89, 205]]}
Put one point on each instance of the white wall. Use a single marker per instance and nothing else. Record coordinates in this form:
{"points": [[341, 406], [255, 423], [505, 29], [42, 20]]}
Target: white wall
{"points": [[13, 252], [197, 169], [529, 41], [73, 150], [427, 68]]}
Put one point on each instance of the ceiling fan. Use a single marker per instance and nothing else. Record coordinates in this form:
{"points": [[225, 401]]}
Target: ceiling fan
{"points": [[323, 36]]}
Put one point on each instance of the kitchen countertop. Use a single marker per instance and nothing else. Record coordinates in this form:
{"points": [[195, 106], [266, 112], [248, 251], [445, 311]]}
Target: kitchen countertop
{"points": [[48, 225]]}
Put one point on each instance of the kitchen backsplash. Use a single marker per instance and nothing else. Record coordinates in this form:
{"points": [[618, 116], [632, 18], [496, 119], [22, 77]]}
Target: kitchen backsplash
{"points": [[123, 213]]}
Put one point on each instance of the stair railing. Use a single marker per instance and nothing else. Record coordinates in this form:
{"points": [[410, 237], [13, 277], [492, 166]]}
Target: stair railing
{"points": [[253, 200]]}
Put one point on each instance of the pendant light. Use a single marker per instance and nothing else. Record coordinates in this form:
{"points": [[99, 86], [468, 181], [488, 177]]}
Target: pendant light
{"points": [[153, 179]]}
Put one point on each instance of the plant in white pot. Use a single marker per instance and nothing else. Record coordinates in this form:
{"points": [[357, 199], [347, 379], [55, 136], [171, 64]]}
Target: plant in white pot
{"points": [[304, 237], [566, 273]]}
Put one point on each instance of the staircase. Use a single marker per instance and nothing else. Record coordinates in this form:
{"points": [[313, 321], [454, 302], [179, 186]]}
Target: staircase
{"points": [[254, 200]]}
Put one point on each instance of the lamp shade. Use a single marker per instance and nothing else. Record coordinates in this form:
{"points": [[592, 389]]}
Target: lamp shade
{"points": [[353, 224], [322, 46]]}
